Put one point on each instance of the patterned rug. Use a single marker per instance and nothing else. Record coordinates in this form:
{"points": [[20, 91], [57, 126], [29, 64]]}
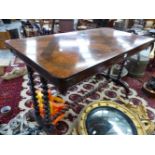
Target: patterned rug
{"points": [[10, 95], [23, 123]]}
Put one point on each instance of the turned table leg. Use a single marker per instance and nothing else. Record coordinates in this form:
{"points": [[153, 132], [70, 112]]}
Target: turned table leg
{"points": [[118, 79], [44, 122], [33, 91], [45, 100]]}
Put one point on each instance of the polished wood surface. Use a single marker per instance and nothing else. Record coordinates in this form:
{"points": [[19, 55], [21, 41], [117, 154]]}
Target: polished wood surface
{"points": [[71, 57]]}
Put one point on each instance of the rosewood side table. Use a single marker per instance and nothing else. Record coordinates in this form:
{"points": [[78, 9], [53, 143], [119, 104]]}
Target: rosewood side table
{"points": [[66, 59]]}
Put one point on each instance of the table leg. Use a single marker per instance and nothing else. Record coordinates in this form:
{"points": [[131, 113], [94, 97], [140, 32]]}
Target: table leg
{"points": [[151, 64], [45, 100], [45, 123], [121, 83], [62, 90], [121, 69], [36, 113], [47, 117], [118, 79], [33, 92], [108, 73]]}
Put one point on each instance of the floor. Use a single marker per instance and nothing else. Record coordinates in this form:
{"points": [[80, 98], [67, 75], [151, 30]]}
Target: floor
{"points": [[16, 93]]}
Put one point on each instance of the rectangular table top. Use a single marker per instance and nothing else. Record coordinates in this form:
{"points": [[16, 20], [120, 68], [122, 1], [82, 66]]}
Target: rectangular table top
{"points": [[66, 58]]}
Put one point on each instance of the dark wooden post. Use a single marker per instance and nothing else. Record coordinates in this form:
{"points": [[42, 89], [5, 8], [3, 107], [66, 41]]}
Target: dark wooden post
{"points": [[33, 92]]}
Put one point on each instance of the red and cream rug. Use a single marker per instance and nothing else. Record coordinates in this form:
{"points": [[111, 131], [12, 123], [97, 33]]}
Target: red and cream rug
{"points": [[16, 94]]}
